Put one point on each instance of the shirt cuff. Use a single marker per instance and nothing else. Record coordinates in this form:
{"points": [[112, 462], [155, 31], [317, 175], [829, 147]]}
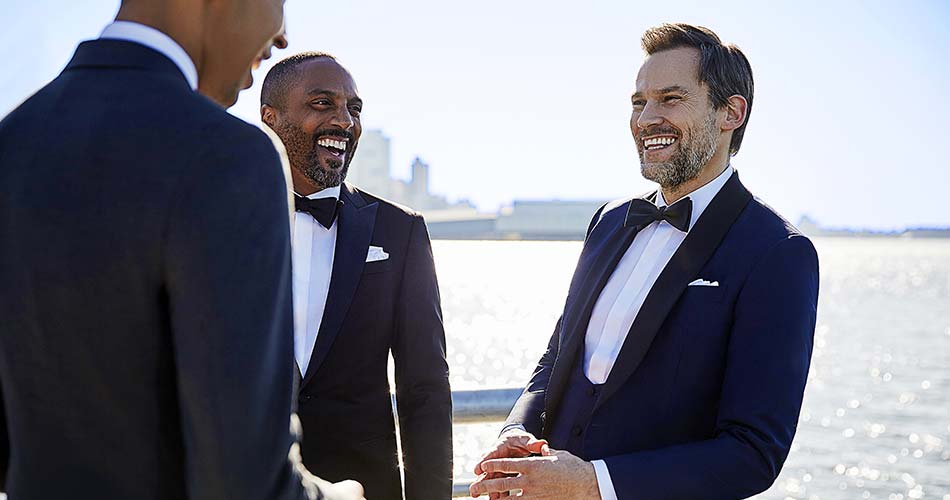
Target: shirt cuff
{"points": [[604, 484]]}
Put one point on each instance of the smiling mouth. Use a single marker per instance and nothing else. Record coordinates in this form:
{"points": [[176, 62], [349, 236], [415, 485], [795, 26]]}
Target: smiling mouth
{"points": [[658, 143], [336, 147]]}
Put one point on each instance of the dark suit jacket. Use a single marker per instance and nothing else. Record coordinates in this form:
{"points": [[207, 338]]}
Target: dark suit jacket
{"points": [[372, 308], [704, 397], [146, 340]]}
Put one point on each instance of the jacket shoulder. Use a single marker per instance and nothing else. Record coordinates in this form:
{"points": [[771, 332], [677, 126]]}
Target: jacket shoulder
{"points": [[388, 207], [770, 225]]}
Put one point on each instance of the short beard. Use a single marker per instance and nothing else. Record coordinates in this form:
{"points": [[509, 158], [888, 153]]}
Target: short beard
{"points": [[302, 152], [688, 161]]}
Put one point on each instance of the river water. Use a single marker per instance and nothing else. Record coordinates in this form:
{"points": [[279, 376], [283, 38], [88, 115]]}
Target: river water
{"points": [[875, 423]]}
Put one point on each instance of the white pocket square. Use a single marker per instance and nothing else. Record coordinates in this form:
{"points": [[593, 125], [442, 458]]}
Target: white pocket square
{"points": [[702, 282], [376, 254]]}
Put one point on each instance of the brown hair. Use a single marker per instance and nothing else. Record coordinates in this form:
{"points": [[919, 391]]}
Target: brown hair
{"points": [[723, 68]]}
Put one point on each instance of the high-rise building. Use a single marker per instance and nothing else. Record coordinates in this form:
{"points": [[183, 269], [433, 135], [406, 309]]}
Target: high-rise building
{"points": [[370, 166], [370, 171]]}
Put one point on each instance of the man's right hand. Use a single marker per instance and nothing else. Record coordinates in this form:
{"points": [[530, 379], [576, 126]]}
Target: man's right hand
{"points": [[513, 443]]}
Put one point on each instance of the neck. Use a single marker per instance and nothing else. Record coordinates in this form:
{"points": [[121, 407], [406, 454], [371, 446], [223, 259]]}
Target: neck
{"points": [[716, 165], [181, 21]]}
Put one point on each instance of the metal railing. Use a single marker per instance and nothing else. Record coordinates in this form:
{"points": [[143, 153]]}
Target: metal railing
{"points": [[480, 406], [473, 407]]}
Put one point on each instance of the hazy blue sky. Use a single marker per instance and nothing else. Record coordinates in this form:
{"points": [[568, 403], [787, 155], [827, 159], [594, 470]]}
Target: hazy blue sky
{"points": [[530, 99]]}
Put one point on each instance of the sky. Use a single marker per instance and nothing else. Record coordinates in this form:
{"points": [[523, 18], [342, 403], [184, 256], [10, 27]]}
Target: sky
{"points": [[530, 99]]}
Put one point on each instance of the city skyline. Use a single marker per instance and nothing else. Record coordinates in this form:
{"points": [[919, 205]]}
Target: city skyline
{"points": [[372, 170], [530, 100]]}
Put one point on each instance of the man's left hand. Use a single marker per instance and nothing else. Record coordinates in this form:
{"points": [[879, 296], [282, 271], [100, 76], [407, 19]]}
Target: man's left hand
{"points": [[558, 474]]}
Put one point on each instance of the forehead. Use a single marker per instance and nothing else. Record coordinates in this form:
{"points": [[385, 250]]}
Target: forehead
{"points": [[669, 68], [324, 75]]}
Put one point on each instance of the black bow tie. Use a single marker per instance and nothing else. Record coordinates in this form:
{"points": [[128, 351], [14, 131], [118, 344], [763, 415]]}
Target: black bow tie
{"points": [[324, 210], [643, 212]]}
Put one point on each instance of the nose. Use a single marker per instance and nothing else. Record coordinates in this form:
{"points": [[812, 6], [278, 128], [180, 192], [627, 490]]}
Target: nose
{"points": [[649, 116], [342, 118]]}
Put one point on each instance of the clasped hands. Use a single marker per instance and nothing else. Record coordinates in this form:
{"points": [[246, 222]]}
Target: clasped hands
{"points": [[549, 474]]}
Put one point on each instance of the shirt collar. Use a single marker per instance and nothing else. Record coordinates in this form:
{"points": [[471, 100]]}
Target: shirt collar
{"points": [[703, 196], [331, 192], [155, 40]]}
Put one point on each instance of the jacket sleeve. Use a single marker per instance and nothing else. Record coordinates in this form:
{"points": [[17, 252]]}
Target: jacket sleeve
{"points": [[423, 395], [528, 410], [768, 358], [227, 275]]}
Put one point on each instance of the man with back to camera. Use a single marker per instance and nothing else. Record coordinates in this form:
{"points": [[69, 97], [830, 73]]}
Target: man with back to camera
{"points": [[364, 285], [145, 271], [678, 365]]}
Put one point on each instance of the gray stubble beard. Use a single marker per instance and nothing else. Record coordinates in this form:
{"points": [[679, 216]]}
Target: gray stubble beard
{"points": [[687, 162]]}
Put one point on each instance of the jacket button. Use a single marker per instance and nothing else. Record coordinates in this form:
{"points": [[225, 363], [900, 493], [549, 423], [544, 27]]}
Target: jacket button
{"points": [[306, 398], [591, 391], [577, 431]]}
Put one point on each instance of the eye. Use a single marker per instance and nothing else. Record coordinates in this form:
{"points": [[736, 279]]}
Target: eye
{"points": [[355, 110], [320, 102], [672, 98], [638, 103]]}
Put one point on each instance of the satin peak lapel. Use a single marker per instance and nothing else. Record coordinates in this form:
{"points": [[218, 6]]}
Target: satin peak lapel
{"points": [[692, 255], [355, 224]]}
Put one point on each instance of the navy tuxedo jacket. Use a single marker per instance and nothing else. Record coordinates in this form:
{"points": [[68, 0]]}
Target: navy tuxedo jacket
{"points": [[145, 308], [705, 395], [372, 308]]}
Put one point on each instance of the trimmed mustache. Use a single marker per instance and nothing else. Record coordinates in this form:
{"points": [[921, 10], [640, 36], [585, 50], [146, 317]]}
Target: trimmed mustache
{"points": [[658, 131], [333, 132]]}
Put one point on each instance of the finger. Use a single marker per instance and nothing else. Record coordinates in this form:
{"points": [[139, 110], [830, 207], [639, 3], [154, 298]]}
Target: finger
{"points": [[536, 445], [501, 485], [512, 446], [507, 465], [546, 450], [484, 476]]}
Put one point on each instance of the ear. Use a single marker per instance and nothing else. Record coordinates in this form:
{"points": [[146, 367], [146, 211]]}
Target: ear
{"points": [[268, 115], [736, 110]]}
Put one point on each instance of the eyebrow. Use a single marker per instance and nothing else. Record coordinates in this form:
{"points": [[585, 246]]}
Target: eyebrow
{"points": [[320, 91], [316, 92], [666, 90], [674, 88]]}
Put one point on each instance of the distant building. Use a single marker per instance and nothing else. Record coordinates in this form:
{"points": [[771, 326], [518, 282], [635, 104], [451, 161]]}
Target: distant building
{"points": [[370, 171], [810, 227], [546, 220], [370, 166]]}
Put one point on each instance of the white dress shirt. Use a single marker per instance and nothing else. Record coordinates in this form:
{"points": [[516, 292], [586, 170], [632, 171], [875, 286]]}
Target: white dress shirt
{"points": [[155, 40], [314, 247], [620, 300]]}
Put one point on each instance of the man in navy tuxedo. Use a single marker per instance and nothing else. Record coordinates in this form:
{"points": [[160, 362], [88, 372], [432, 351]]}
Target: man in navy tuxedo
{"points": [[677, 368], [146, 340], [364, 286]]}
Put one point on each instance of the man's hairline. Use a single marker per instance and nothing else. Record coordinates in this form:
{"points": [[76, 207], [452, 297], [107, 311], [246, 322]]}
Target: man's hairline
{"points": [[295, 69]]}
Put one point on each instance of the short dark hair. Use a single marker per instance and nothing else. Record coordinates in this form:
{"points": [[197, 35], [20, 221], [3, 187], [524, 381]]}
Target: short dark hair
{"points": [[723, 68], [279, 78]]}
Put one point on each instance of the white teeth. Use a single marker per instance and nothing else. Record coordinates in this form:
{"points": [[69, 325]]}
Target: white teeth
{"points": [[330, 143], [659, 141]]}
